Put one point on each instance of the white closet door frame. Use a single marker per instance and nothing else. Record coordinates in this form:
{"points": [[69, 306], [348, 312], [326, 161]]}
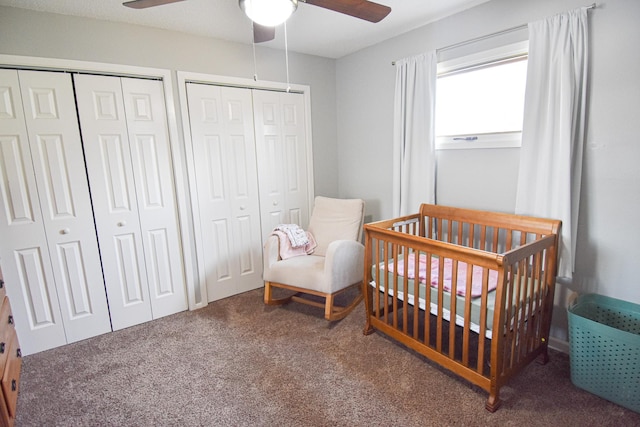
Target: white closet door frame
{"points": [[185, 77], [180, 177]]}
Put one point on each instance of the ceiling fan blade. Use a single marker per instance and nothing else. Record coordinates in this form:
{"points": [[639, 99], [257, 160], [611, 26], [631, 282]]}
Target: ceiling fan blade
{"points": [[143, 4], [363, 9], [262, 33]]}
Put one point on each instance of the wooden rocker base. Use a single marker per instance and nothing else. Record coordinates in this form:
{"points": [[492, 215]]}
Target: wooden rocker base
{"points": [[332, 312]]}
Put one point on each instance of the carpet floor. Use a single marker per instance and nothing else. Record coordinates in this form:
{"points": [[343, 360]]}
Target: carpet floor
{"points": [[238, 362]]}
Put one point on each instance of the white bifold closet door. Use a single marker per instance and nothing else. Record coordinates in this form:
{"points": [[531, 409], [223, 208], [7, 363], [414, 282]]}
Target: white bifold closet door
{"points": [[282, 153], [127, 151], [250, 163], [229, 245], [48, 247]]}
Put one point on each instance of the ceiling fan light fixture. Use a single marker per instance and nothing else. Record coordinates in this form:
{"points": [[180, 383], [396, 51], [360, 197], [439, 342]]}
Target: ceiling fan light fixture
{"points": [[269, 13]]}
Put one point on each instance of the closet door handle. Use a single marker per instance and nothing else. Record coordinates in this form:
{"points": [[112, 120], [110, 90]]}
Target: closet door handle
{"points": [[243, 208], [275, 203], [122, 223], [65, 231]]}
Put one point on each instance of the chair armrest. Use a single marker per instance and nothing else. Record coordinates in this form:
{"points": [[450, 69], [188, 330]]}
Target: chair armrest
{"points": [[271, 252], [344, 263]]}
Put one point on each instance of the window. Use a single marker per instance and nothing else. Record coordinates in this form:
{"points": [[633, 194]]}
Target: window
{"points": [[480, 99]]}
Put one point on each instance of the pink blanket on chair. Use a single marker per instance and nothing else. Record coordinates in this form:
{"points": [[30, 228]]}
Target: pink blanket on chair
{"points": [[286, 250], [476, 281]]}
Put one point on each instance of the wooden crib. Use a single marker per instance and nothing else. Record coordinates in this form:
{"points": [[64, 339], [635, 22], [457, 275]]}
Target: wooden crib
{"points": [[485, 335]]}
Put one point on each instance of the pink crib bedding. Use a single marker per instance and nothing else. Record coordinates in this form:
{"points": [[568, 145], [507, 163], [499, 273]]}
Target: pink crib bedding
{"points": [[461, 287]]}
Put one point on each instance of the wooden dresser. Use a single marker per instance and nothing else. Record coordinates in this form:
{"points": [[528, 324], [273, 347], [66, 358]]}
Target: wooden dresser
{"points": [[10, 361]]}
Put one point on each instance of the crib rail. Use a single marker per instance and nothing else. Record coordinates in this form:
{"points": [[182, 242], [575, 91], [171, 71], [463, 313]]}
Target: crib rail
{"points": [[487, 338]]}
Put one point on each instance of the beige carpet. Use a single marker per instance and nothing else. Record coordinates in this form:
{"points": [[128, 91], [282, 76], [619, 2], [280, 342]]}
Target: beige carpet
{"points": [[239, 363]]}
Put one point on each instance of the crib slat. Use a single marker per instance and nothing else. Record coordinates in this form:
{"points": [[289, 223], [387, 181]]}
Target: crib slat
{"points": [[386, 282], [452, 308], [518, 323], [440, 305], [483, 319], [509, 241], [394, 313], [496, 235], [483, 237], [427, 311], [466, 334], [472, 229], [376, 263], [405, 289], [532, 300], [416, 293]]}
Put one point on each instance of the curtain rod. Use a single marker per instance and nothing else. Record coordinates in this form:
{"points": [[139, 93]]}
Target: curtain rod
{"points": [[487, 36]]}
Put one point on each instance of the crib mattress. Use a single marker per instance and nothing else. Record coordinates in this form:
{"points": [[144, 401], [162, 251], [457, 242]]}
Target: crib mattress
{"points": [[476, 303]]}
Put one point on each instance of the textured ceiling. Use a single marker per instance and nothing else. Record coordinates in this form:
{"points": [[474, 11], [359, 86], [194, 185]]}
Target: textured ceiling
{"points": [[310, 30]]}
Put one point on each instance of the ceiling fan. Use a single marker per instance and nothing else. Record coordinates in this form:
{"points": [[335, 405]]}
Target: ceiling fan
{"points": [[363, 9]]}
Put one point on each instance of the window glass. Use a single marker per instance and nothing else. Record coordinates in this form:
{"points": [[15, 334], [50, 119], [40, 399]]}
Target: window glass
{"points": [[481, 104]]}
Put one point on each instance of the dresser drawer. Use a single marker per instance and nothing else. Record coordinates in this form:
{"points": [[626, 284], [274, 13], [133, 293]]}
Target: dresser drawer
{"points": [[7, 331], [11, 377]]}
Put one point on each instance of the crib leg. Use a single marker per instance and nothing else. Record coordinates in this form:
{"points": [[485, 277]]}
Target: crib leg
{"points": [[493, 402], [544, 357], [368, 329]]}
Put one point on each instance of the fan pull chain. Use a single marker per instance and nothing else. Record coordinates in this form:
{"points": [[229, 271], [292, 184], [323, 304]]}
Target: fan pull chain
{"points": [[286, 55], [253, 45]]}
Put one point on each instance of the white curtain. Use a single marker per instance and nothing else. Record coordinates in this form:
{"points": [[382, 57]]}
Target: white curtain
{"points": [[414, 161], [554, 126]]}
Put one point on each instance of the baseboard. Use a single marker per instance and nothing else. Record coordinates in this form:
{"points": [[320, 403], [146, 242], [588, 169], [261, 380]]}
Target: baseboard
{"points": [[559, 345]]}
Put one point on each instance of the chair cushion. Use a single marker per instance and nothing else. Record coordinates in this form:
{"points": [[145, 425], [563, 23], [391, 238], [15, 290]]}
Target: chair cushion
{"points": [[304, 271], [335, 219]]}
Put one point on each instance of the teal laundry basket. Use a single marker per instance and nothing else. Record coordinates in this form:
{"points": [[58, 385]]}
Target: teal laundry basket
{"points": [[604, 343]]}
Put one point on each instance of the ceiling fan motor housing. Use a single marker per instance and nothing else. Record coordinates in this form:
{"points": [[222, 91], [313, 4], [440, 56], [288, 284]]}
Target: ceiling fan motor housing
{"points": [[269, 13]]}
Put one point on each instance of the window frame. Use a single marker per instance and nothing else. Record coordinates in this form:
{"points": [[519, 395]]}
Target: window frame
{"points": [[506, 53]]}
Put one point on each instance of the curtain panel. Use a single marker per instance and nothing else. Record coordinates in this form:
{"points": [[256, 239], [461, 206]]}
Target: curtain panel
{"points": [[414, 160], [554, 126]]}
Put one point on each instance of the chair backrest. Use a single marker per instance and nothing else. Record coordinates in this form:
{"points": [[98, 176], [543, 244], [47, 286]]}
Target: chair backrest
{"points": [[335, 219]]}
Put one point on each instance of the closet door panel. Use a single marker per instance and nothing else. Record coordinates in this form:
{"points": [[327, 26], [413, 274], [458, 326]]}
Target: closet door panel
{"points": [[281, 148], [110, 170], [151, 159], [24, 252], [222, 131], [56, 149], [294, 136]]}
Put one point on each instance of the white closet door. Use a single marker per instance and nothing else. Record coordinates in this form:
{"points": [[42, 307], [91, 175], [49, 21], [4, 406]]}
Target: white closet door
{"points": [[151, 160], [281, 148], [106, 145], [56, 150], [48, 247], [230, 245], [23, 249]]}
